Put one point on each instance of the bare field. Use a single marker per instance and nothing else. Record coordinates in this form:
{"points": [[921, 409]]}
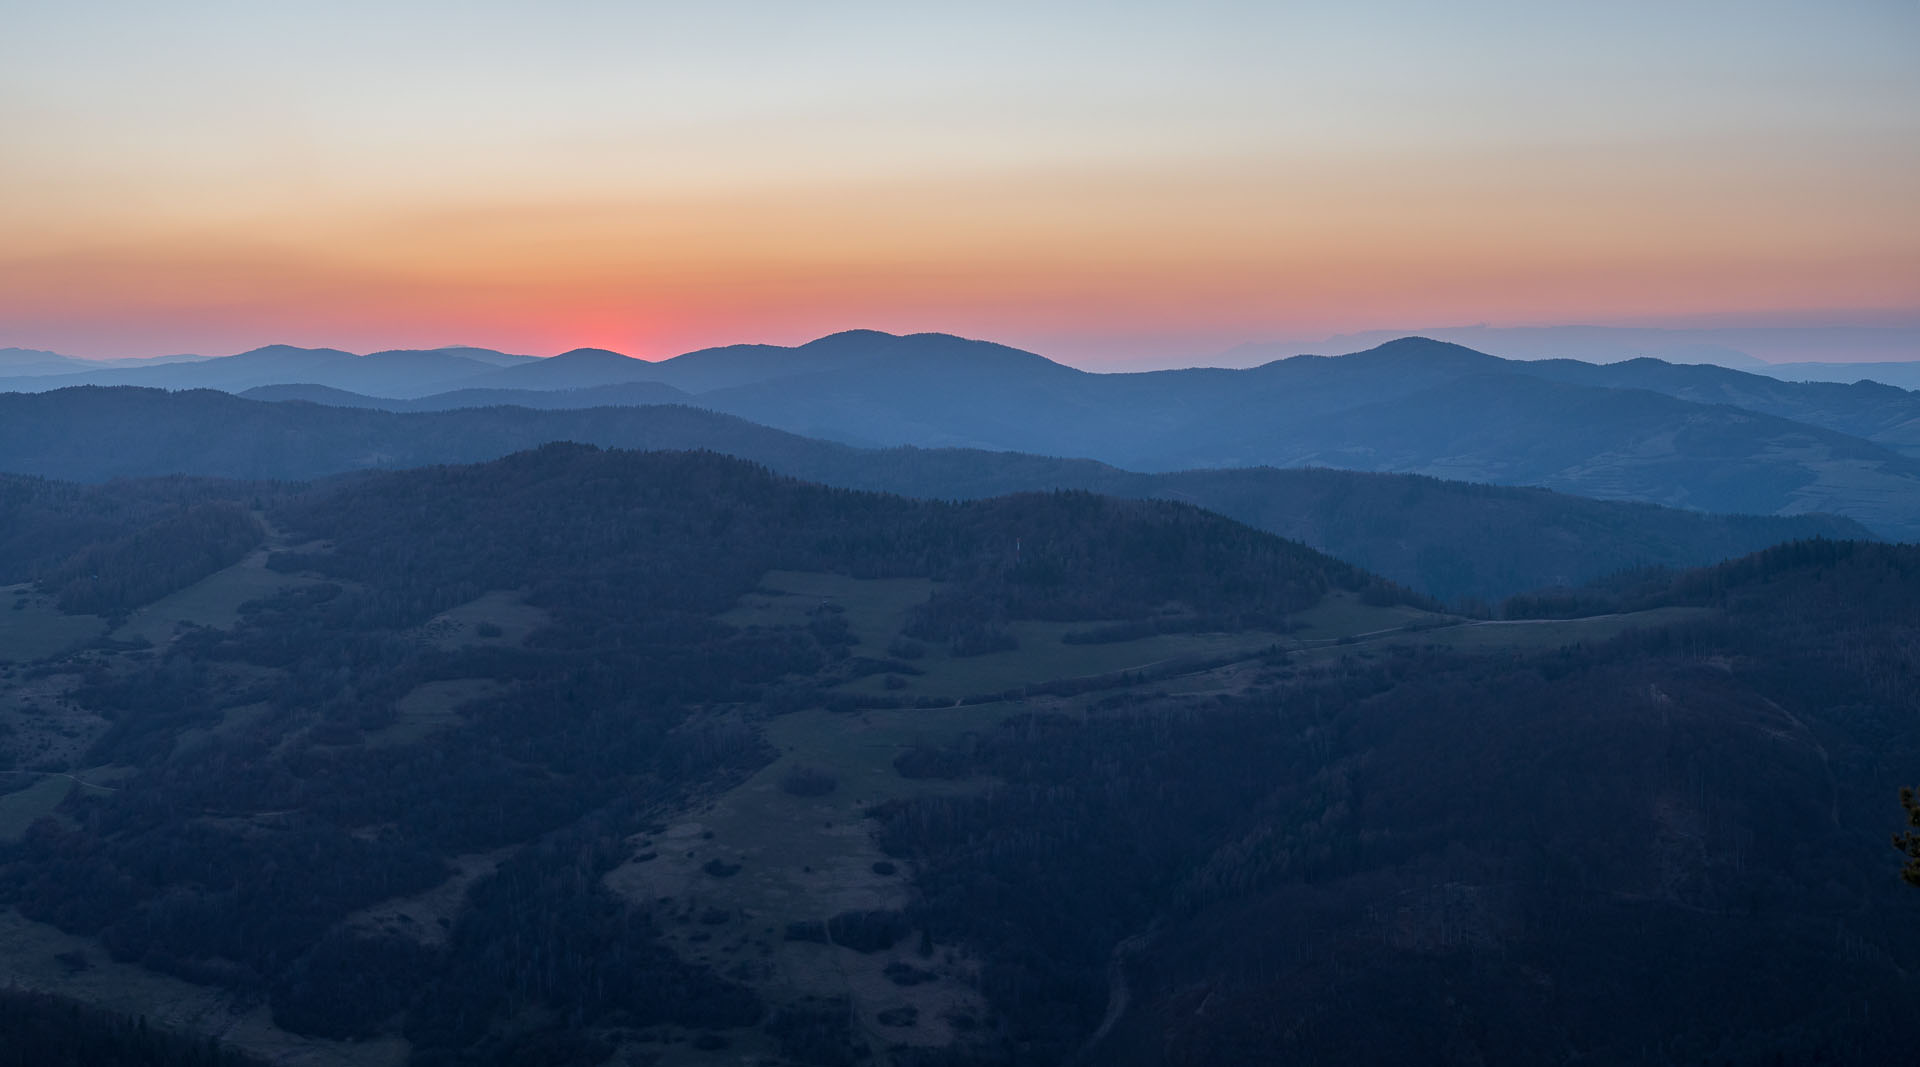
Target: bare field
{"points": [[431, 707], [804, 859], [500, 618], [20, 809], [875, 609], [212, 601], [1343, 614], [32, 628], [1470, 635]]}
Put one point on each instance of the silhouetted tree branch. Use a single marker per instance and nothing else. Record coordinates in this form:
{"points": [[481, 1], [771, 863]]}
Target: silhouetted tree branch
{"points": [[1909, 842]]}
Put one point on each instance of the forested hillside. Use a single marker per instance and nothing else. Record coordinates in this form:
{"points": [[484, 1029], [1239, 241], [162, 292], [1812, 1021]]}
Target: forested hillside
{"points": [[345, 742], [536, 760], [42, 1031], [503, 763], [104, 550], [1667, 848]]}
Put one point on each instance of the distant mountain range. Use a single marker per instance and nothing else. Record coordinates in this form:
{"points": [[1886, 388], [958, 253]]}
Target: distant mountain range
{"points": [[1890, 356], [1699, 437], [1448, 539], [400, 372], [1902, 375], [412, 374], [630, 394], [35, 362], [1885, 354]]}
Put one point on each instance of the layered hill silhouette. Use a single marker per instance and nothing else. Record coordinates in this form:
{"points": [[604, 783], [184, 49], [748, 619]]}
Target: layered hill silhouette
{"points": [[1883, 413], [399, 372], [630, 394], [1410, 406], [410, 374], [36, 361], [1883, 354], [1698, 437], [1902, 374], [1449, 539]]}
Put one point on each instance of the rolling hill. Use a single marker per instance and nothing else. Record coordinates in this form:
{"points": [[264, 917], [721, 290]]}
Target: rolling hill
{"points": [[578, 756], [1903, 374], [1880, 413], [398, 372], [629, 394], [1701, 437], [1449, 539]]}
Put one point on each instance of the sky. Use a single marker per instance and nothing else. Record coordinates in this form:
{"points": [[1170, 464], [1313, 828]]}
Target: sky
{"points": [[1108, 184]]}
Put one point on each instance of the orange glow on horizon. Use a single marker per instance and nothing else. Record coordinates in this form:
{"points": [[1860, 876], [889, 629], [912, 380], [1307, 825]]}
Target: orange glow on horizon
{"points": [[1151, 180], [1218, 256]]}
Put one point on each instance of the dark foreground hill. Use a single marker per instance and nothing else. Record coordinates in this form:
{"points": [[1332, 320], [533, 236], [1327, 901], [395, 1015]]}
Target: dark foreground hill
{"points": [[278, 775], [581, 756], [1668, 848], [1449, 539]]}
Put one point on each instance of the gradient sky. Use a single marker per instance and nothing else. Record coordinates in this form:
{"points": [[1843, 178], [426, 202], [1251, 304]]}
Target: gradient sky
{"points": [[1103, 183]]}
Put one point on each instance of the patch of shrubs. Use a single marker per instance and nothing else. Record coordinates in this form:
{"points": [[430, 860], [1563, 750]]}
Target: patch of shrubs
{"points": [[906, 648], [921, 762], [868, 931]]}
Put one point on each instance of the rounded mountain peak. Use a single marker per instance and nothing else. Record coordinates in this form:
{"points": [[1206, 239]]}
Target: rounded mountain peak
{"points": [[595, 355], [1421, 347]]}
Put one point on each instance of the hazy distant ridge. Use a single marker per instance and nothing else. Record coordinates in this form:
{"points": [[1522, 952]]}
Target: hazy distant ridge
{"points": [[1449, 539], [1698, 437]]}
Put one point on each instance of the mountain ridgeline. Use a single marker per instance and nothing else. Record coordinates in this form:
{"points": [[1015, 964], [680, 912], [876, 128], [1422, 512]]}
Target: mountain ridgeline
{"points": [[695, 530], [1702, 438], [1451, 540]]}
